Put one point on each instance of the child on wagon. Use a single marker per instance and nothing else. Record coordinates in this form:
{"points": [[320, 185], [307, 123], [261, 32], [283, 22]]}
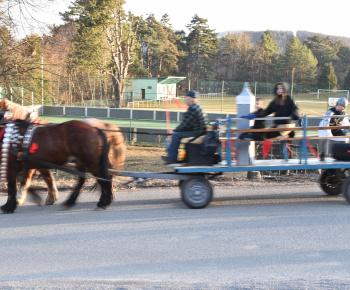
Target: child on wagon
{"points": [[258, 124], [338, 109]]}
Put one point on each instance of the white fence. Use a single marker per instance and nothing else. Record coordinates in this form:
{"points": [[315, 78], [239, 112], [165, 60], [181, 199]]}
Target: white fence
{"points": [[153, 103], [211, 95], [148, 103]]}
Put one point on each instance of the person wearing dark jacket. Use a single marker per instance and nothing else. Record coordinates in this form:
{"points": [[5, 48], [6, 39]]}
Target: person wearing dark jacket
{"points": [[192, 125], [283, 106], [258, 124]]}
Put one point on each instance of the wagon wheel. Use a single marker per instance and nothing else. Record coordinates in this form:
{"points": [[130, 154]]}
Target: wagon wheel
{"points": [[196, 192], [346, 188], [331, 181]]}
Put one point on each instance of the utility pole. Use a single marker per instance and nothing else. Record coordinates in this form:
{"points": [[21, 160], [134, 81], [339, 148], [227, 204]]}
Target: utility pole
{"points": [[222, 94], [291, 93], [42, 80]]}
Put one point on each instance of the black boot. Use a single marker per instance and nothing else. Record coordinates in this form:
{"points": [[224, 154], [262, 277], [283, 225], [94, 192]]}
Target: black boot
{"points": [[168, 160]]}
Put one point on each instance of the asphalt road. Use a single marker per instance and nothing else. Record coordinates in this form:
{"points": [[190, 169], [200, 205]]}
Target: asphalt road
{"points": [[258, 236]]}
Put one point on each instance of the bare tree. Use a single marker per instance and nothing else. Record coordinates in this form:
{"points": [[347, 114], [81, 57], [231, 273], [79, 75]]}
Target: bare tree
{"points": [[121, 47]]}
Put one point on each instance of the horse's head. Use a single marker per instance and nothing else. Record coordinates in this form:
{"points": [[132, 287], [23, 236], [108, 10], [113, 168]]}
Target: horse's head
{"points": [[4, 104], [19, 112]]}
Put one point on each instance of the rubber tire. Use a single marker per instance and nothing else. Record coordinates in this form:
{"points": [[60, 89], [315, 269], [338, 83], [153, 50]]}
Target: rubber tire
{"points": [[330, 182], [346, 188], [196, 192]]}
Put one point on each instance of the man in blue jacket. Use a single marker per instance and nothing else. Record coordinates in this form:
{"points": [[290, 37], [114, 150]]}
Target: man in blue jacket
{"points": [[192, 125]]}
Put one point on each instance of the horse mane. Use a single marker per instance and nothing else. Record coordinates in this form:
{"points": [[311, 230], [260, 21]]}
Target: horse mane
{"points": [[19, 112]]}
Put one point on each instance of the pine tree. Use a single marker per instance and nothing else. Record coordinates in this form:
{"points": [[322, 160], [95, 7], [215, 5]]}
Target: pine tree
{"points": [[266, 51], [307, 71], [347, 81], [328, 79], [324, 49], [159, 53], [236, 53], [229, 56], [202, 46], [298, 62], [342, 65]]}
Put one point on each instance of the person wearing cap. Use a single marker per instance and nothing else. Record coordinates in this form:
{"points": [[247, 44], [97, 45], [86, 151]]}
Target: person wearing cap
{"points": [[338, 109], [283, 106], [192, 125]]}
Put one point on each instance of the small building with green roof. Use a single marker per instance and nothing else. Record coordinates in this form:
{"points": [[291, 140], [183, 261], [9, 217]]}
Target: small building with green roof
{"points": [[153, 88]]}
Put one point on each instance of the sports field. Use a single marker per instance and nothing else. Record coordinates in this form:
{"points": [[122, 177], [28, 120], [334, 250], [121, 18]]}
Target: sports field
{"points": [[307, 103]]}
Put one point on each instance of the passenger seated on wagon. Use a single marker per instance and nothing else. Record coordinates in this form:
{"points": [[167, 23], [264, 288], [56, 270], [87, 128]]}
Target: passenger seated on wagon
{"points": [[258, 124], [283, 106], [338, 109], [192, 125]]}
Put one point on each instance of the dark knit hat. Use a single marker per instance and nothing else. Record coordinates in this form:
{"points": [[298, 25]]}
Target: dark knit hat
{"points": [[192, 94]]}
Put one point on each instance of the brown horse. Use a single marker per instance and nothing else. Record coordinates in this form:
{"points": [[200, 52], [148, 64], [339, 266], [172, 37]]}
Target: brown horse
{"points": [[116, 159], [18, 112], [59, 144], [113, 133]]}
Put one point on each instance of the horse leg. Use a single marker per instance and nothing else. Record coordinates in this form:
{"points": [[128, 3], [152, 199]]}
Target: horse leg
{"points": [[52, 196], [112, 187], [102, 172], [24, 185], [25, 173], [11, 204], [106, 194], [74, 195]]}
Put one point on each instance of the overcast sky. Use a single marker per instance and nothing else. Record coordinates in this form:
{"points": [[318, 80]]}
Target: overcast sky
{"points": [[324, 17]]}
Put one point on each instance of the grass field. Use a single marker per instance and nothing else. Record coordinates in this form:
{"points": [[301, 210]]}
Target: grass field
{"points": [[308, 104]]}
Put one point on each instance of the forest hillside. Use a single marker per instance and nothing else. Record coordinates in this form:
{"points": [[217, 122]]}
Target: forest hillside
{"points": [[283, 37]]}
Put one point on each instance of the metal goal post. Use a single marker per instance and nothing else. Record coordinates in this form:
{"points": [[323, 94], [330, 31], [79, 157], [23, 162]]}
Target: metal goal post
{"points": [[332, 95]]}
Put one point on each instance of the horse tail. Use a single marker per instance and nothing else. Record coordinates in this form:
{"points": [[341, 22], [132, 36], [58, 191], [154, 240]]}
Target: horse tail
{"points": [[117, 148], [106, 186], [118, 154], [103, 164]]}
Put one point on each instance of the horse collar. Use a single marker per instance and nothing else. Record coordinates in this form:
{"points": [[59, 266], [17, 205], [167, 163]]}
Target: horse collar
{"points": [[11, 136], [27, 140]]}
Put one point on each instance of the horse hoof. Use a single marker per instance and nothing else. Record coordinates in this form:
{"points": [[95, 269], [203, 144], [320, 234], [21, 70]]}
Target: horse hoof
{"points": [[67, 205], [49, 202], [97, 208], [20, 201], [5, 210]]}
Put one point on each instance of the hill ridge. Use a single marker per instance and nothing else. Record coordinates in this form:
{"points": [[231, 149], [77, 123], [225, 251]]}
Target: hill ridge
{"points": [[283, 36]]}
